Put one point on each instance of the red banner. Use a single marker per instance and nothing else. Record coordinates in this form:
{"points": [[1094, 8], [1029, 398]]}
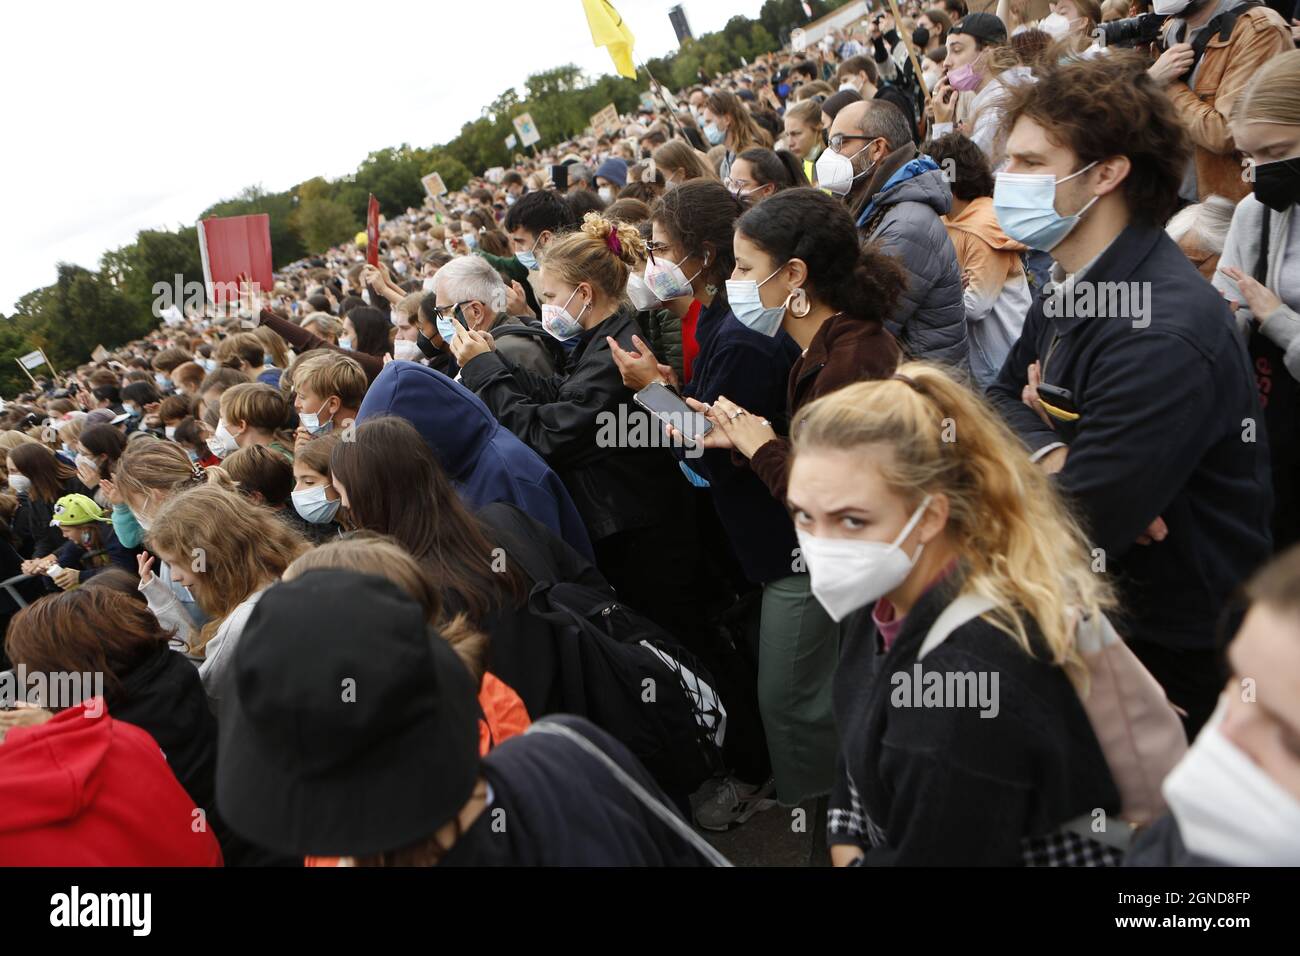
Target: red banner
{"points": [[372, 232], [232, 247]]}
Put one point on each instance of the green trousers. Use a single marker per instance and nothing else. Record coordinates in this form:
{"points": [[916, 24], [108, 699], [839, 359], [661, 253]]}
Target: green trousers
{"points": [[799, 646]]}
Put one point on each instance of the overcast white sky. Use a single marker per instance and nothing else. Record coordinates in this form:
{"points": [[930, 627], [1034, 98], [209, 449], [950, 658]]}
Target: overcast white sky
{"points": [[119, 117]]}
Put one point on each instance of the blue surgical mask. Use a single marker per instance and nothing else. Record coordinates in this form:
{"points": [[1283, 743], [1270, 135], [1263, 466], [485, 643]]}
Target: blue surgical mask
{"points": [[345, 342], [1025, 204], [313, 506], [311, 421], [714, 134], [529, 259], [747, 305], [162, 380], [446, 328]]}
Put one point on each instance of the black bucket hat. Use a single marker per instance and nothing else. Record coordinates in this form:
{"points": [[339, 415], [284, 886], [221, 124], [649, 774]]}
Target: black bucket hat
{"points": [[351, 727]]}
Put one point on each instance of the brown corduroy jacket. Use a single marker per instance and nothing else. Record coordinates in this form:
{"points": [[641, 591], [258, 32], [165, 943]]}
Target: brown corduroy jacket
{"points": [[844, 350], [1226, 68]]}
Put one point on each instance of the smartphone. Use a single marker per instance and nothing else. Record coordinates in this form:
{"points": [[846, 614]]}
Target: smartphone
{"points": [[1056, 399], [664, 404], [560, 176]]}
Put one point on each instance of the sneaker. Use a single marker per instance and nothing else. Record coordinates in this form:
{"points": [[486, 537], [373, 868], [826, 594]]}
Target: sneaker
{"points": [[732, 803]]}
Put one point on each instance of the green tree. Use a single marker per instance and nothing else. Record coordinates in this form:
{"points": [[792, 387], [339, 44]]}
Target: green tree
{"points": [[324, 222]]}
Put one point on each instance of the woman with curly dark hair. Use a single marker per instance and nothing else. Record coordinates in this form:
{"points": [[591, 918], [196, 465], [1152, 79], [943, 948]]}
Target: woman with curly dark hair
{"points": [[800, 270]]}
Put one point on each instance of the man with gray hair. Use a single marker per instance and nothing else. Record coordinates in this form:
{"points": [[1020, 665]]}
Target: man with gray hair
{"points": [[468, 290], [898, 195]]}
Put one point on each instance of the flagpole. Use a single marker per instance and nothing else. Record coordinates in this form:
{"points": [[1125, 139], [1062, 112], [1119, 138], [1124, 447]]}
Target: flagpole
{"points": [[672, 114], [26, 372]]}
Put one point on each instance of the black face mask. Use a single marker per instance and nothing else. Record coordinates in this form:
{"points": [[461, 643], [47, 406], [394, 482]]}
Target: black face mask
{"points": [[920, 38], [1277, 185], [423, 343]]}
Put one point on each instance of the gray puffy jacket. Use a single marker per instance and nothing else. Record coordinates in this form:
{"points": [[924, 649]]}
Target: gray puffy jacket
{"points": [[905, 219]]}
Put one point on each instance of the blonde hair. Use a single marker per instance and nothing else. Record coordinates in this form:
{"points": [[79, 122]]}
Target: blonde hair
{"points": [[155, 465], [273, 345], [243, 349], [12, 439], [600, 252], [326, 373], [367, 552], [22, 717], [679, 154], [243, 547], [257, 405], [1019, 544], [1273, 94]]}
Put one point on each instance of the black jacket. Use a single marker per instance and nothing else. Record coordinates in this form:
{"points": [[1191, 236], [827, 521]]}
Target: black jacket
{"points": [[572, 419], [522, 648], [36, 535], [563, 807], [752, 370], [1165, 430], [164, 695], [943, 785]]}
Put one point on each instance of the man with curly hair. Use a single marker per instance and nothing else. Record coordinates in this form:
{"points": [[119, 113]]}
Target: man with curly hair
{"points": [[1129, 381]]}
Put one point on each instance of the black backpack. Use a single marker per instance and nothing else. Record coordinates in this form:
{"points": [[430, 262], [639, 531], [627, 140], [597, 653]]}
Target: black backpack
{"points": [[630, 678]]}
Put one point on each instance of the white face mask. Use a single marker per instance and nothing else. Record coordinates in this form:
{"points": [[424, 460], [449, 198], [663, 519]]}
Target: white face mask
{"points": [[1228, 809], [1055, 25], [169, 431], [848, 573], [428, 283], [223, 443], [835, 171], [1170, 8], [606, 194], [406, 350], [20, 483], [640, 294], [365, 296]]}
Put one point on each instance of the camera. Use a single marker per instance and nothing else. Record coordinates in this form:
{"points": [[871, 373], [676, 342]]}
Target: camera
{"points": [[1132, 31]]}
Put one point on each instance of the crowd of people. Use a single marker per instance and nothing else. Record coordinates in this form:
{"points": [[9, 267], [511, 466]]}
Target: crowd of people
{"points": [[690, 469]]}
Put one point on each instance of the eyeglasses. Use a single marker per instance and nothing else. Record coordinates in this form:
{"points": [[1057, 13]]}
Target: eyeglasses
{"points": [[839, 139], [448, 312], [736, 184]]}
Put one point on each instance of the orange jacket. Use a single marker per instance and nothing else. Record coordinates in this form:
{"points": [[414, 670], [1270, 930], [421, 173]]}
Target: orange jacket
{"points": [[1226, 68]]}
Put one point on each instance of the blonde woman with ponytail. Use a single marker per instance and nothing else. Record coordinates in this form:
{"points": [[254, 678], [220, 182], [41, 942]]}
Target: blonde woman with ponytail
{"points": [[632, 497], [908, 492]]}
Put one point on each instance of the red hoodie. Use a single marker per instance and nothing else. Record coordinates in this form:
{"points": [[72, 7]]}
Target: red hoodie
{"points": [[93, 791]]}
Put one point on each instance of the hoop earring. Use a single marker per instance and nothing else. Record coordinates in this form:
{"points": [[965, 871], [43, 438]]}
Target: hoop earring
{"points": [[797, 303]]}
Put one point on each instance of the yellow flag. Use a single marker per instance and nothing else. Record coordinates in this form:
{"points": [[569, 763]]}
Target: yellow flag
{"points": [[609, 30]]}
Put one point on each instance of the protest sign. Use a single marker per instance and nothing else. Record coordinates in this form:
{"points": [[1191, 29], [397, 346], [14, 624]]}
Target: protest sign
{"points": [[606, 121], [527, 131], [372, 231], [231, 247], [434, 185]]}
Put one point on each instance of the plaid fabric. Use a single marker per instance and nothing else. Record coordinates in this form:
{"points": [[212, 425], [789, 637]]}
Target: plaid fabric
{"points": [[850, 822], [854, 821], [1066, 848]]}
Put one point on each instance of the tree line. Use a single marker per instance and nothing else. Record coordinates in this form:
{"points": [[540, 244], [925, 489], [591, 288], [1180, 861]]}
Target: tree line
{"points": [[113, 304]]}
